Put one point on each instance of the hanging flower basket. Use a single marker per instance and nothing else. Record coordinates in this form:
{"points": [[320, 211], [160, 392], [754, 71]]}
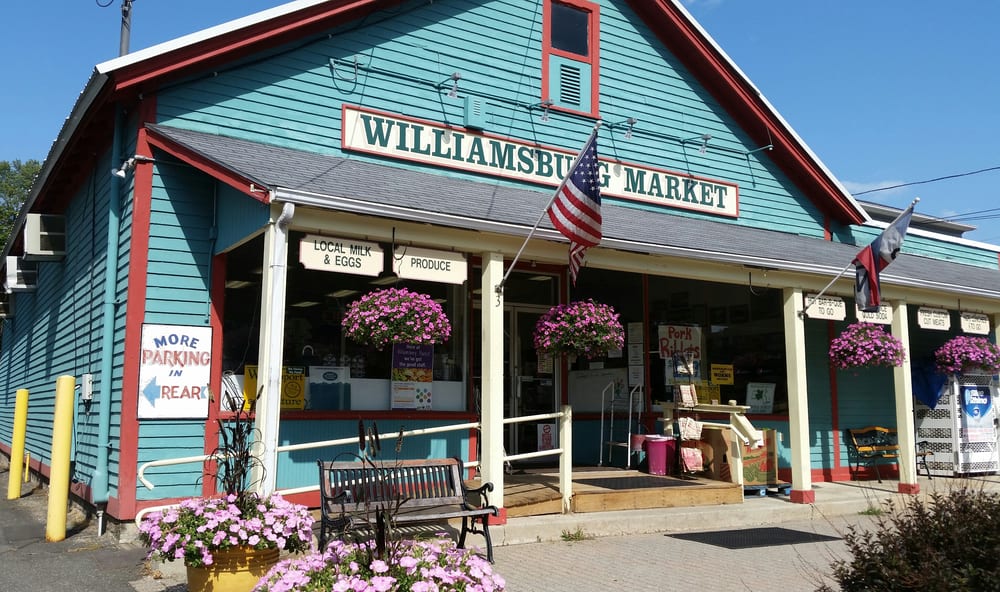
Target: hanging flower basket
{"points": [[396, 315], [584, 328], [968, 355], [863, 345]]}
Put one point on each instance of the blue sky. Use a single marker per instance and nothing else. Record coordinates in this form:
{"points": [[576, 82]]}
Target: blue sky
{"points": [[884, 93]]}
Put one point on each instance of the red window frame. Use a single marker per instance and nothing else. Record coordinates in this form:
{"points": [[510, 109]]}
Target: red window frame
{"points": [[593, 40]]}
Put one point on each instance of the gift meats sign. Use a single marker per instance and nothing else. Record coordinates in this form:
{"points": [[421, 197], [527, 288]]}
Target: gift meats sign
{"points": [[175, 366]]}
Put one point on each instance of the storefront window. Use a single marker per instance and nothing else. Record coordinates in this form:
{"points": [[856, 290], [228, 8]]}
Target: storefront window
{"points": [[734, 329], [349, 376]]}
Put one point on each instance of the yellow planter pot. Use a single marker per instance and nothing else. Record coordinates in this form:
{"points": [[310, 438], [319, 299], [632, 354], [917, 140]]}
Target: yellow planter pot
{"points": [[232, 570]]}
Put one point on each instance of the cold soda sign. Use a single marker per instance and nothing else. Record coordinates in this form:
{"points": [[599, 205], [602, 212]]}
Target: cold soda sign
{"points": [[174, 369], [323, 253]]}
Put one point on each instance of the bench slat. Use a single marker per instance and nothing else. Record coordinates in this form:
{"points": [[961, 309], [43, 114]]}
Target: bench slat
{"points": [[412, 491], [869, 445]]}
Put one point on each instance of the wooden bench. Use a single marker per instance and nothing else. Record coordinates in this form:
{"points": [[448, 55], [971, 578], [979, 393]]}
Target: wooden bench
{"points": [[873, 444], [410, 491], [870, 446]]}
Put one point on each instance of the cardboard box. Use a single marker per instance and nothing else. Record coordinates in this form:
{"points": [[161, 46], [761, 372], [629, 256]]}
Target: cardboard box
{"points": [[760, 465]]}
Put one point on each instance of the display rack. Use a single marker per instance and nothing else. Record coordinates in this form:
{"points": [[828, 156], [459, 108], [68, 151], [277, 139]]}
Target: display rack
{"points": [[615, 401], [739, 427]]}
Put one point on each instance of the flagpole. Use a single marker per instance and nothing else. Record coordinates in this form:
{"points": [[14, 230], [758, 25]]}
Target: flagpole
{"points": [[823, 291], [815, 299], [499, 288]]}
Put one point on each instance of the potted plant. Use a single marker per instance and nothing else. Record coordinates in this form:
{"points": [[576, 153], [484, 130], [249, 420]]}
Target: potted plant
{"points": [[968, 355], [410, 565], [228, 542], [396, 315], [585, 328], [370, 555], [863, 345]]}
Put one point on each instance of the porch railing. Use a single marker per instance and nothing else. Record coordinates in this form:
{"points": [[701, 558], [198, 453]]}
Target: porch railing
{"points": [[564, 452]]}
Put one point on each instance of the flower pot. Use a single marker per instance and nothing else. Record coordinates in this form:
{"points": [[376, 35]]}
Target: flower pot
{"points": [[232, 570]]}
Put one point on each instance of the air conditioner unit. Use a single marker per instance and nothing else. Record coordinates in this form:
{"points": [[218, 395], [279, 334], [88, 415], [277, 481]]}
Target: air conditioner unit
{"points": [[44, 237], [22, 276]]}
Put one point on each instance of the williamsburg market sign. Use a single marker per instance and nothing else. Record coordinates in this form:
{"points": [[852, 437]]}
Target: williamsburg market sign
{"points": [[400, 138]]}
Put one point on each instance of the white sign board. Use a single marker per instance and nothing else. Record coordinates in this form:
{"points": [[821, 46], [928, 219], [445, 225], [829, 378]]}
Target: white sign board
{"points": [[443, 267], [174, 371], [428, 142], [938, 319], [882, 316], [323, 253], [831, 308], [975, 323]]}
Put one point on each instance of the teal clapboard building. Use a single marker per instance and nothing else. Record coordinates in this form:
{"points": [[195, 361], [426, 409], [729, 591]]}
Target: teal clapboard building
{"points": [[215, 204]]}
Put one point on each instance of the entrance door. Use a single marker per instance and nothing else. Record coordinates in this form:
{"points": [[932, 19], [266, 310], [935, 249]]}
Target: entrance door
{"points": [[529, 384]]}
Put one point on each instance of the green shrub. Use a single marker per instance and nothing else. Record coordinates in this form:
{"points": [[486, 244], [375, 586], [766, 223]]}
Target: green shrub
{"points": [[950, 542]]}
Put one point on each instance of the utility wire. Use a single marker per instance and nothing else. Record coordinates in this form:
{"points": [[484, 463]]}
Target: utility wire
{"points": [[989, 214], [995, 168]]}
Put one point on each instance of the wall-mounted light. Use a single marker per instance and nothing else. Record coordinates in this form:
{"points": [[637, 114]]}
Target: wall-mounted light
{"points": [[129, 164], [704, 142], [545, 110], [630, 122], [454, 78]]}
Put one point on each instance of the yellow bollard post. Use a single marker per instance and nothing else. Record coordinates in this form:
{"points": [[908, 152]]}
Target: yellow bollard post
{"points": [[62, 441], [17, 444], [27, 466]]}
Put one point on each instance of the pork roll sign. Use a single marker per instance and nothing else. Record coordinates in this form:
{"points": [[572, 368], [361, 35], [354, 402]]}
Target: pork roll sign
{"points": [[174, 371]]}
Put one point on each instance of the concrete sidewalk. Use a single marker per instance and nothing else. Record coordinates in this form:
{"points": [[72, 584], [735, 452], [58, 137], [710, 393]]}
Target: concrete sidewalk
{"points": [[598, 551]]}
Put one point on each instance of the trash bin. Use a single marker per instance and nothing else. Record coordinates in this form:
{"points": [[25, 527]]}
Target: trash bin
{"points": [[660, 451]]}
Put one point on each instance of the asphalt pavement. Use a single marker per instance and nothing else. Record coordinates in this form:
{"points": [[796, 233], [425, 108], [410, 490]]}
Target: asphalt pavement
{"points": [[764, 544]]}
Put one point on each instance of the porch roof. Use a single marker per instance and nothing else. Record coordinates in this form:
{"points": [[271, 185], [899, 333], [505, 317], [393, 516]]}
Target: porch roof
{"points": [[362, 186]]}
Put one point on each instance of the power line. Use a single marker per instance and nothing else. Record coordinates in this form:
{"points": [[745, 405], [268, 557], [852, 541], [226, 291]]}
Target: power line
{"points": [[944, 178]]}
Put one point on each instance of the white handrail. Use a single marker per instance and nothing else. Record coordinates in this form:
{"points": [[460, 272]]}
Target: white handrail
{"points": [[305, 446], [565, 486]]}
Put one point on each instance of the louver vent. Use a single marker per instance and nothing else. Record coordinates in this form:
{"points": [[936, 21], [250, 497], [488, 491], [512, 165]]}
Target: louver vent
{"points": [[569, 85]]}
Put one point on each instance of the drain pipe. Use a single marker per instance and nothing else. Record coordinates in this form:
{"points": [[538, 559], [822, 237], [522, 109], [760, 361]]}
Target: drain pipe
{"points": [[100, 487], [274, 333]]}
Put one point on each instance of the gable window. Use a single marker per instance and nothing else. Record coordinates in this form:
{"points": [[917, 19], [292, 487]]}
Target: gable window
{"points": [[570, 55]]}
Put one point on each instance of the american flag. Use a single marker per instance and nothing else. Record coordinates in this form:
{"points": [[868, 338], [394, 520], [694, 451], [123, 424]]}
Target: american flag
{"points": [[576, 207]]}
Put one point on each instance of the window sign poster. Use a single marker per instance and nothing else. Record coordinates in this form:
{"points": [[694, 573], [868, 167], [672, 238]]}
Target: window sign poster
{"points": [[682, 344], [977, 414], [174, 371], [293, 387], [412, 376], [635, 333], [760, 397], [635, 357]]}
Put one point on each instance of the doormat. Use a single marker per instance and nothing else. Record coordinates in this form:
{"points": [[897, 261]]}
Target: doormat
{"points": [[633, 482], [754, 537]]}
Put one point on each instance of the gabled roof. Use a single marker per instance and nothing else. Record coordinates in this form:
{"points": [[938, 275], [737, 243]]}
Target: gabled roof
{"points": [[125, 80]]}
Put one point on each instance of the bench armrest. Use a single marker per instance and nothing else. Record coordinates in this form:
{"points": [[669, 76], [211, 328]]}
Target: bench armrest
{"points": [[481, 491]]}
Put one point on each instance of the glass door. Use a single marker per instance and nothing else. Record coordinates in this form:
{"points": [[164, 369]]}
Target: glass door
{"points": [[529, 384]]}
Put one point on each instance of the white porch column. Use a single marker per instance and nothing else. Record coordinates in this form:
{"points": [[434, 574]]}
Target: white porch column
{"points": [[491, 402], [798, 396], [272, 338], [902, 391]]}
